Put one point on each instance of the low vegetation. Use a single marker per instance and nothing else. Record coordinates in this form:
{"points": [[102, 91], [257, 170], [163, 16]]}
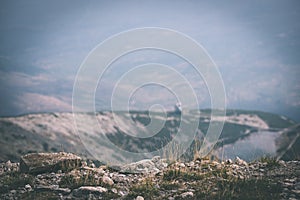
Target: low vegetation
{"points": [[215, 184], [73, 180], [270, 161], [14, 180]]}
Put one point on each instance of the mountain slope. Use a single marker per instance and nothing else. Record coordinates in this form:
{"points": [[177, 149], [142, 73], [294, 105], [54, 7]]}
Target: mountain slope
{"points": [[52, 132]]}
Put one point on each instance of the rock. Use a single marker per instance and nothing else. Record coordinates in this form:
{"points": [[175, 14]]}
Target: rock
{"points": [[86, 190], [240, 162], [46, 187], [191, 164], [182, 165], [91, 164], [122, 193], [229, 161], [187, 194], [114, 190], [28, 187], [139, 198], [140, 167], [13, 191], [281, 162], [107, 180], [8, 164], [261, 170], [99, 171], [49, 162], [152, 166], [296, 191]]}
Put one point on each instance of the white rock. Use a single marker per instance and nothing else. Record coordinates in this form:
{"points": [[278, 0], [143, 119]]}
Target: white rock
{"points": [[182, 165], [296, 191], [186, 194], [141, 167], [191, 164], [107, 180], [139, 198], [114, 190], [13, 191], [122, 193], [84, 190], [241, 162], [281, 162], [8, 164], [229, 161], [28, 187]]}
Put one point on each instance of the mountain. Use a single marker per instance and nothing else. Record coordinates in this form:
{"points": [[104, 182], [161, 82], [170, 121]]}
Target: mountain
{"points": [[247, 134]]}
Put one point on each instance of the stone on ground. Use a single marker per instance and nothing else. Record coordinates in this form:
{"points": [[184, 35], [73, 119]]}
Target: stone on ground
{"points": [[35, 163], [85, 190], [146, 166]]}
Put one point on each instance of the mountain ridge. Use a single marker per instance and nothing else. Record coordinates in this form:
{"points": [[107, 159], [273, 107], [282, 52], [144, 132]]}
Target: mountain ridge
{"points": [[52, 132]]}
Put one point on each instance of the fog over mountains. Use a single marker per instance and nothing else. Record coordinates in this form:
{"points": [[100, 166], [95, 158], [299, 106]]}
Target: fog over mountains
{"points": [[254, 44]]}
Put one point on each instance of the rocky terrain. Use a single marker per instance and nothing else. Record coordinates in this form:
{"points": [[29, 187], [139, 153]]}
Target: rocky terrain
{"points": [[68, 176]]}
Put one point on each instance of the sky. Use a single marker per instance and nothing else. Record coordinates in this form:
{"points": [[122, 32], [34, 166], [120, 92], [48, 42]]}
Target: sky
{"points": [[255, 44]]}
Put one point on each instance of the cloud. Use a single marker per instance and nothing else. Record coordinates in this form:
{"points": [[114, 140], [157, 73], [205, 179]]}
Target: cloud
{"points": [[33, 102], [19, 79]]}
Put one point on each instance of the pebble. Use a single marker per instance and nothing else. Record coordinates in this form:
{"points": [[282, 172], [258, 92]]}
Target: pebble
{"points": [[186, 194], [107, 180], [241, 162], [139, 198], [28, 187], [114, 190], [229, 161], [182, 165]]}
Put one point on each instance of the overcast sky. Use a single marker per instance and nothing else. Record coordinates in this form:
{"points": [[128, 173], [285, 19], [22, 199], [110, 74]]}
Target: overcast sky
{"points": [[255, 44]]}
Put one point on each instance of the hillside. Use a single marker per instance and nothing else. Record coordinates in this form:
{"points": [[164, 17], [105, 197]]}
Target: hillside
{"points": [[247, 134]]}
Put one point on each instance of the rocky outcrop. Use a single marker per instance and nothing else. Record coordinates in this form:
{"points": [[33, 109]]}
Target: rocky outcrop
{"points": [[150, 179], [35, 163]]}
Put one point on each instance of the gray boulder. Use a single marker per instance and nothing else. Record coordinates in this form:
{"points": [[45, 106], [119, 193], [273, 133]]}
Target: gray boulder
{"points": [[146, 166], [36, 163], [85, 190]]}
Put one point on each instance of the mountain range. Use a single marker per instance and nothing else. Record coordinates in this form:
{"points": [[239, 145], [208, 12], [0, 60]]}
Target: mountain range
{"points": [[246, 134]]}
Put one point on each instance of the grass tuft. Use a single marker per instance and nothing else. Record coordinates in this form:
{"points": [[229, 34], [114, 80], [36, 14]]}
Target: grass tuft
{"points": [[14, 180], [271, 161]]}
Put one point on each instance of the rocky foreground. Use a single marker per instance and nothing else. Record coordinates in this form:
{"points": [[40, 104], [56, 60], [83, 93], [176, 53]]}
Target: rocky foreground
{"points": [[67, 176]]}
